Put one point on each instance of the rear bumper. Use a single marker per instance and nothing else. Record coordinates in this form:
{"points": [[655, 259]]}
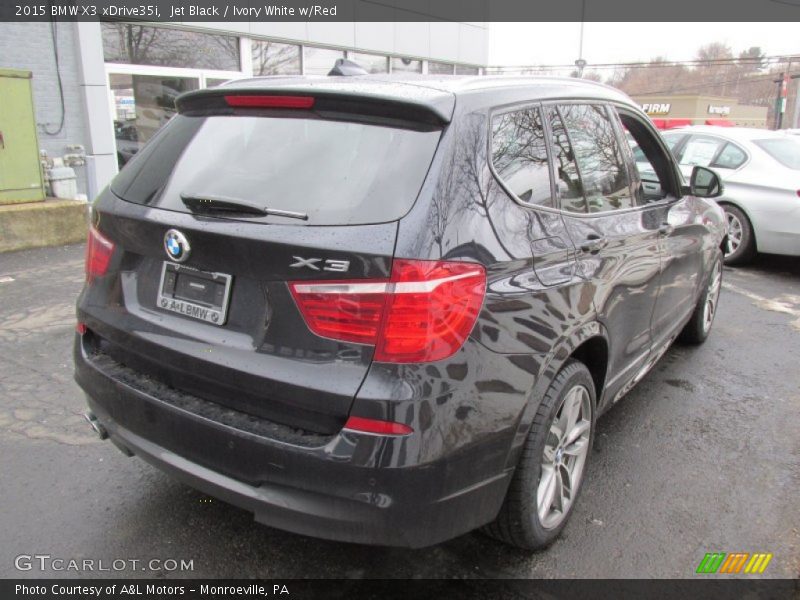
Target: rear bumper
{"points": [[328, 488]]}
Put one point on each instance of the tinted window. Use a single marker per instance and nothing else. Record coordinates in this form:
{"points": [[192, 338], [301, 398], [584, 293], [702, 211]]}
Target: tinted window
{"points": [[320, 61], [163, 46], [466, 70], [372, 63], [600, 160], [570, 190], [786, 152], [409, 65], [731, 157], [440, 68], [337, 172], [272, 58], [519, 155]]}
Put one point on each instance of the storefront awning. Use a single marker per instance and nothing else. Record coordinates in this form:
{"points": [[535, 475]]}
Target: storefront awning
{"points": [[671, 123], [719, 122]]}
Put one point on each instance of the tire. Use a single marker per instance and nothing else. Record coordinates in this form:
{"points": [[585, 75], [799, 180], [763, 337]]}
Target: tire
{"points": [[519, 522], [741, 239], [697, 329]]}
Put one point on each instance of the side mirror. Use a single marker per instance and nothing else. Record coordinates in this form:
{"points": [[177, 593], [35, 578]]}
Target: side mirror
{"points": [[705, 183]]}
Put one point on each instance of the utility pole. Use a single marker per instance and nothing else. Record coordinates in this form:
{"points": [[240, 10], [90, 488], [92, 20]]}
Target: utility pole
{"points": [[581, 63], [781, 100]]}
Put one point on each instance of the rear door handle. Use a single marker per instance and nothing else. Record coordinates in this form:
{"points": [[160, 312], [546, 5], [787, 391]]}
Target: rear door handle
{"points": [[666, 229], [593, 244]]}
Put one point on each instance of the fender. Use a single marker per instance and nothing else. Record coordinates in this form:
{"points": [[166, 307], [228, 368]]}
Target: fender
{"points": [[556, 358]]}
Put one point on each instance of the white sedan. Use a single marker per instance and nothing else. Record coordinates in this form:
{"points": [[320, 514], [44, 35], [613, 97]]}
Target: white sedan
{"points": [[761, 173]]}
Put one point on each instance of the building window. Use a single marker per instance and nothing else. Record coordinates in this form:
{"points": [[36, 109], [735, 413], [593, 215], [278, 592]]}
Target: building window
{"points": [[142, 104], [319, 61], [167, 47], [373, 63], [466, 70], [440, 68], [406, 65], [215, 81], [272, 58]]}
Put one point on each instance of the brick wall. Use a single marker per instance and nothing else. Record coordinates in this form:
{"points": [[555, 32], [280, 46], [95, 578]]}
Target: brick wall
{"points": [[29, 46]]}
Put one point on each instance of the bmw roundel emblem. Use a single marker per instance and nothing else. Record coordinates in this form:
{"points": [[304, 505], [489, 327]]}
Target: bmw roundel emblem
{"points": [[176, 245]]}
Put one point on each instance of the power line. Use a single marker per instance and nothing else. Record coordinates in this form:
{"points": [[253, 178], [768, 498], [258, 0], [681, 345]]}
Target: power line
{"points": [[739, 80], [660, 64]]}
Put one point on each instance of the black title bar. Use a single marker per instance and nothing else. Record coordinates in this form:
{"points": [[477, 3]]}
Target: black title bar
{"points": [[402, 10], [294, 589]]}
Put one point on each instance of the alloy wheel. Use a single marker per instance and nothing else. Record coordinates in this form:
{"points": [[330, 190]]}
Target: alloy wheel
{"points": [[564, 457], [735, 233]]}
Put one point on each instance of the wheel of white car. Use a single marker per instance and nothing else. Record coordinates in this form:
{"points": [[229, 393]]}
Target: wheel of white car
{"points": [[741, 240]]}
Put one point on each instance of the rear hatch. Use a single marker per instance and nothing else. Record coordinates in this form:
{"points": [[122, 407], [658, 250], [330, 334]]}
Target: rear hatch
{"points": [[240, 193]]}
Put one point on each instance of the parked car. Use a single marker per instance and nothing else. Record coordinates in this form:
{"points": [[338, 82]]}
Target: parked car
{"points": [[388, 310], [761, 174]]}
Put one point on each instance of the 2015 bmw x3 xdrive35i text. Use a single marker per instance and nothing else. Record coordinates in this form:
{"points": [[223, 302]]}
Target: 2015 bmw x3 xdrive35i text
{"points": [[390, 311]]}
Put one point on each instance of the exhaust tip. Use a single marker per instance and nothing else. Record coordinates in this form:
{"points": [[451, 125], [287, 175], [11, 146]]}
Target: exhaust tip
{"points": [[95, 425]]}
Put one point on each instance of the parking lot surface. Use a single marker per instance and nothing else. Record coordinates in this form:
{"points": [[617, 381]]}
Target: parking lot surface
{"points": [[702, 456]]}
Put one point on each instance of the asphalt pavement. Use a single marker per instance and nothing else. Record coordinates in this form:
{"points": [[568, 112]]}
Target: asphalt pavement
{"points": [[702, 456]]}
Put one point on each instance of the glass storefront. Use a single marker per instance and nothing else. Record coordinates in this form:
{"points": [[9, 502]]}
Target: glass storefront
{"points": [[319, 61], [169, 47], [407, 65], [373, 63], [273, 58], [440, 68], [141, 105], [466, 70], [149, 67]]}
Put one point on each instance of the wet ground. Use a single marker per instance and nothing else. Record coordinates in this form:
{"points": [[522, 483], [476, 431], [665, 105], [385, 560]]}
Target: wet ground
{"points": [[702, 456]]}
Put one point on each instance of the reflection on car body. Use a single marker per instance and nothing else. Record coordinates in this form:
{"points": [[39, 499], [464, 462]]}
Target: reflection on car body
{"points": [[477, 276]]}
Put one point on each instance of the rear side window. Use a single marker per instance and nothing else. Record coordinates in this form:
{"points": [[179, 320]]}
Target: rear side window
{"points": [[700, 151], [519, 155], [336, 172], [603, 171], [731, 157]]}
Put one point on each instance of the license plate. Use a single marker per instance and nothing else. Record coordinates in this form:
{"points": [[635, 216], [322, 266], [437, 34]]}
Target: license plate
{"points": [[193, 293]]}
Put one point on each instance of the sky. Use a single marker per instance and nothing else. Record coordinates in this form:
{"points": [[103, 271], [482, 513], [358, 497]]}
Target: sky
{"points": [[558, 43]]}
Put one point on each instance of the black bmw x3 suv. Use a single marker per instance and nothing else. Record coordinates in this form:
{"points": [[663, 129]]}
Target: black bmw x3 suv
{"points": [[390, 311]]}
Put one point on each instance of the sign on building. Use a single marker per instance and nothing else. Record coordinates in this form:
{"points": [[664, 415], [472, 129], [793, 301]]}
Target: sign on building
{"points": [[715, 109], [656, 108]]}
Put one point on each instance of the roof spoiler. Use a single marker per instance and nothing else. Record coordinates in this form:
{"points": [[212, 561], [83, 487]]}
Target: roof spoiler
{"points": [[336, 104]]}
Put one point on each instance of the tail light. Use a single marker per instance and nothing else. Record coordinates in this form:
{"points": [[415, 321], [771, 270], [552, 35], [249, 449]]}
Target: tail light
{"points": [[378, 427], [98, 254], [422, 313], [259, 101]]}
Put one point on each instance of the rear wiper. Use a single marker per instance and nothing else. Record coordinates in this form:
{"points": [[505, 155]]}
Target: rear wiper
{"points": [[205, 203]]}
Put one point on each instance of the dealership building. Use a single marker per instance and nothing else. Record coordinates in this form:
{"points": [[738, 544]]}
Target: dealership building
{"points": [[668, 111], [100, 90]]}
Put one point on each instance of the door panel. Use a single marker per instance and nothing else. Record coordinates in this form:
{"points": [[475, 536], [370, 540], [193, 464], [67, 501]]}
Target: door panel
{"points": [[617, 245], [681, 265]]}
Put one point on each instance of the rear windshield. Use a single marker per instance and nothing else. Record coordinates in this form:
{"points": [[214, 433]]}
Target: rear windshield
{"points": [[336, 172], [786, 152]]}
